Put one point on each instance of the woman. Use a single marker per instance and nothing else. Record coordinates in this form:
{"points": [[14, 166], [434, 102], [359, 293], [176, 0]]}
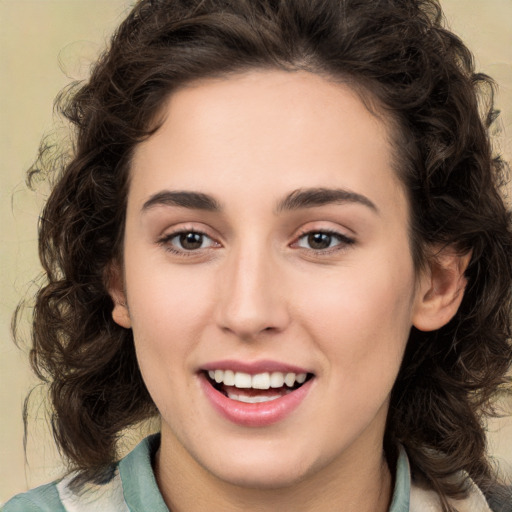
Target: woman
{"points": [[281, 232]]}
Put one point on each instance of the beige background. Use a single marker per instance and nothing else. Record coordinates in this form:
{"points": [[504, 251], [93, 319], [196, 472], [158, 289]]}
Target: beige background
{"points": [[44, 44]]}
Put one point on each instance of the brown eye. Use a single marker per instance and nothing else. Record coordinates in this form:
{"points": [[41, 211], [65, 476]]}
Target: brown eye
{"points": [[191, 241], [319, 240]]}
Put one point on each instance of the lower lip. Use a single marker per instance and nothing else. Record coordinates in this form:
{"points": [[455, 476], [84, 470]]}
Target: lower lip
{"points": [[254, 415]]}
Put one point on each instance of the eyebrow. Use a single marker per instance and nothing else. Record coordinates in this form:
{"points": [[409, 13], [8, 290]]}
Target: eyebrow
{"points": [[192, 200], [296, 200], [312, 197]]}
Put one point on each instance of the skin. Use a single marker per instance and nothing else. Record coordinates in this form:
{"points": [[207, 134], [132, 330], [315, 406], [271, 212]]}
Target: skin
{"points": [[256, 289]]}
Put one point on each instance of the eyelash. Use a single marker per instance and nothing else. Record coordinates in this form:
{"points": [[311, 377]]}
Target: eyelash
{"points": [[343, 241]]}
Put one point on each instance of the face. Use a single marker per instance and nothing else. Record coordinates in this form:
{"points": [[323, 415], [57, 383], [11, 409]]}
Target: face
{"points": [[268, 276]]}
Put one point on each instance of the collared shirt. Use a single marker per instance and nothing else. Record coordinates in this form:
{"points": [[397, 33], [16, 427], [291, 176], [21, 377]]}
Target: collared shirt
{"points": [[133, 488]]}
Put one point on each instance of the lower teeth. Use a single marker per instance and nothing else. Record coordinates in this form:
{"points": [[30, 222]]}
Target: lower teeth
{"points": [[254, 399]]}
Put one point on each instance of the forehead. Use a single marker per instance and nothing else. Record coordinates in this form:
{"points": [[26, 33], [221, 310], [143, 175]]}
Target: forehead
{"points": [[285, 130]]}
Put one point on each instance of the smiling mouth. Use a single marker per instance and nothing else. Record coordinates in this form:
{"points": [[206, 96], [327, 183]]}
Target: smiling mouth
{"points": [[257, 388]]}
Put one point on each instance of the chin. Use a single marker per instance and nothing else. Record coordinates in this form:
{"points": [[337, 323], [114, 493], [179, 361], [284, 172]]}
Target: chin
{"points": [[264, 467]]}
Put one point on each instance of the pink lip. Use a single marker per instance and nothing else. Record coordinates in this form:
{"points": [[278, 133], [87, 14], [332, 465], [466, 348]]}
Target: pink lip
{"points": [[254, 415], [254, 367]]}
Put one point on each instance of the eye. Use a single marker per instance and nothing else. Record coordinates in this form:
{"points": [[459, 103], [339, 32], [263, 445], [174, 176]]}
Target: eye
{"points": [[322, 240], [187, 241]]}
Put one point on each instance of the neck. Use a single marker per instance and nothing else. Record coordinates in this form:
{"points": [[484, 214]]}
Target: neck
{"points": [[362, 483]]}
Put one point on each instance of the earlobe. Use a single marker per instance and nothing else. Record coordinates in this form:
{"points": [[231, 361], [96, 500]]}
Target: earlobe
{"points": [[440, 290], [121, 315], [115, 286]]}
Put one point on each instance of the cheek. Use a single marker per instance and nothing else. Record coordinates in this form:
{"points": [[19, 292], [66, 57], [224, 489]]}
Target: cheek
{"points": [[161, 296], [362, 318], [168, 312], [167, 323]]}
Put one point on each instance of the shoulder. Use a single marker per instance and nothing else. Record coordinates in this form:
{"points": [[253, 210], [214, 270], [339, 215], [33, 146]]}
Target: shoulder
{"points": [[61, 497], [41, 499], [127, 485], [500, 498], [425, 500]]}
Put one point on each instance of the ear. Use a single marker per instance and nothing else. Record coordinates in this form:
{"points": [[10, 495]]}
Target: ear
{"points": [[441, 289], [115, 287]]}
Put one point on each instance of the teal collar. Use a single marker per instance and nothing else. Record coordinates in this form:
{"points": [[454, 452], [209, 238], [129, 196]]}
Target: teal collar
{"points": [[402, 490], [140, 490]]}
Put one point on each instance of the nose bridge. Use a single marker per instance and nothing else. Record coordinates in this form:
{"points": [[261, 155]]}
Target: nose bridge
{"points": [[252, 298]]}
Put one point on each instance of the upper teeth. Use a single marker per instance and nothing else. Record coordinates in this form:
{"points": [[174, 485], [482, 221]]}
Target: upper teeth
{"points": [[259, 381]]}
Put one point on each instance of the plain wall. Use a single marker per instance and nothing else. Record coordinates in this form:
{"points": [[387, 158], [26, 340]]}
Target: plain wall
{"points": [[43, 45]]}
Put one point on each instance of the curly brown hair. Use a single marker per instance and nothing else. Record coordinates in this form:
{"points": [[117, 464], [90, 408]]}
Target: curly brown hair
{"points": [[399, 56]]}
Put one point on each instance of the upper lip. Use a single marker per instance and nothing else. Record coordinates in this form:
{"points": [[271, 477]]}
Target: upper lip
{"points": [[254, 367]]}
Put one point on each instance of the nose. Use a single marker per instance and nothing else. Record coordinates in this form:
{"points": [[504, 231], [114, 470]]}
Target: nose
{"points": [[252, 299]]}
